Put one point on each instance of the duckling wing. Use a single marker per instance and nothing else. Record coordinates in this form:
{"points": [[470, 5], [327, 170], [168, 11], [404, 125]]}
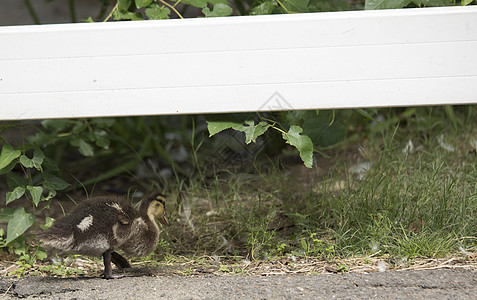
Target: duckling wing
{"points": [[93, 227]]}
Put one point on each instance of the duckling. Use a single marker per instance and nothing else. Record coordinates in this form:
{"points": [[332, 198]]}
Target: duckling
{"points": [[101, 225]]}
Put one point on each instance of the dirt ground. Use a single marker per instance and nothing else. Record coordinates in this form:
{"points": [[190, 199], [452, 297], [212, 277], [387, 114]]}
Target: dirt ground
{"points": [[424, 284]]}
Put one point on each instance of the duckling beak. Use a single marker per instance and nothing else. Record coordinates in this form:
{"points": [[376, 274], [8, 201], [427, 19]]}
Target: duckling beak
{"points": [[164, 220]]}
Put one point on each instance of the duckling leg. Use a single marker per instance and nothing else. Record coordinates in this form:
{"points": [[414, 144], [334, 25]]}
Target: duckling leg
{"points": [[119, 261], [108, 270]]}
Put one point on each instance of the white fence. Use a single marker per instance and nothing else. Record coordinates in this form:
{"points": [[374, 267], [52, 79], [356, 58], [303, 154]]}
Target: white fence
{"points": [[303, 61]]}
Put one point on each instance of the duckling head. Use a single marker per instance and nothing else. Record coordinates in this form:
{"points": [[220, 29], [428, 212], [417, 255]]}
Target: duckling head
{"points": [[157, 209]]}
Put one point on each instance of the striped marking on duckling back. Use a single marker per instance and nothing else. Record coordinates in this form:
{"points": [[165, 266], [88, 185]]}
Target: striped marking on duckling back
{"points": [[116, 206], [85, 223]]}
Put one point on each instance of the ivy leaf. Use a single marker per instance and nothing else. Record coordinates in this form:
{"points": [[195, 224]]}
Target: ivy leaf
{"points": [[85, 148], [126, 15], [302, 142], [322, 132], [101, 139], [6, 213], [252, 131], [124, 4], [214, 2], [14, 180], [50, 164], [8, 168], [8, 155], [385, 4], [264, 8], [103, 122], [35, 192], [18, 224], [219, 10], [26, 162], [34, 162], [218, 126], [38, 157], [155, 12], [142, 3], [15, 194], [52, 182], [56, 125], [196, 3]]}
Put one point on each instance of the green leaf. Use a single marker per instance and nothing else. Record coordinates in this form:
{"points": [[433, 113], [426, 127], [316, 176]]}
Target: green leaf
{"points": [[218, 126], [101, 139], [48, 222], [51, 194], [40, 254], [52, 182], [296, 6], [8, 168], [304, 245], [126, 15], [6, 213], [214, 2], [219, 10], [196, 3], [8, 155], [15, 194], [322, 132], [18, 224], [264, 8], [26, 162], [56, 125], [85, 148], [251, 130], [302, 142], [142, 3], [38, 157], [386, 4], [50, 165], [35, 162], [124, 4], [466, 2], [35, 192], [155, 12], [14, 180]]}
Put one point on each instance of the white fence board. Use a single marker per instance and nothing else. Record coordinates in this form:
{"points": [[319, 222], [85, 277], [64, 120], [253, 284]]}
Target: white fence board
{"points": [[307, 61]]}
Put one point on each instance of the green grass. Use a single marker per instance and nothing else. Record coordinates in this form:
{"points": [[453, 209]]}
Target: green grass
{"points": [[407, 205]]}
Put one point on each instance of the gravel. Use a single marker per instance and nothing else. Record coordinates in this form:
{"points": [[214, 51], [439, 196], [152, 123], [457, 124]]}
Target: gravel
{"points": [[424, 284]]}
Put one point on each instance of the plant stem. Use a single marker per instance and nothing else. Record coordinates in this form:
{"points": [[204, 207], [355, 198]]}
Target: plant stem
{"points": [[172, 7], [32, 12], [111, 12], [284, 8]]}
